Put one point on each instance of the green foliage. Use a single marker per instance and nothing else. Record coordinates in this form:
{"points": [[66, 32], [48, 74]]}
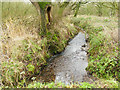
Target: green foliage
{"points": [[12, 73], [86, 85], [59, 85], [55, 45], [103, 56], [107, 20], [34, 56], [31, 68], [43, 4]]}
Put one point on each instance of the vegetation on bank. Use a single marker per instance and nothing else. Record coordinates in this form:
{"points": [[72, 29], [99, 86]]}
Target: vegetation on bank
{"points": [[24, 52], [101, 83], [103, 45], [103, 61]]}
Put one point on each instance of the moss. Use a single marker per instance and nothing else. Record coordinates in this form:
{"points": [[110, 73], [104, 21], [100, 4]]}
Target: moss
{"points": [[43, 4]]}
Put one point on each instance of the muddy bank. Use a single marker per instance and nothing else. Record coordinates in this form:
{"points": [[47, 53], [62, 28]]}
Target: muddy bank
{"points": [[69, 66]]}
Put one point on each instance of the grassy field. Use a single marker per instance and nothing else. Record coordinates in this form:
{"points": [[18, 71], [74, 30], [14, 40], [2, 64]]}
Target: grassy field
{"points": [[23, 52]]}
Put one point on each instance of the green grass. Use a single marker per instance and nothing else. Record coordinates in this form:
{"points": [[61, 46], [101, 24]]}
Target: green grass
{"points": [[101, 83], [103, 49], [59, 85]]}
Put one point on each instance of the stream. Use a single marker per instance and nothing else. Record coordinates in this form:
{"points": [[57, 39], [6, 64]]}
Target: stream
{"points": [[69, 66]]}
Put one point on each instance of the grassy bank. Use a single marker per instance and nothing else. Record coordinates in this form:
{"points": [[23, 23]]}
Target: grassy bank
{"points": [[102, 64], [102, 54], [23, 51], [101, 83], [103, 45]]}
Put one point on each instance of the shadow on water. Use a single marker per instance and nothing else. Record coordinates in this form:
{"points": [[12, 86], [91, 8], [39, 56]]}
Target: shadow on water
{"points": [[69, 66]]}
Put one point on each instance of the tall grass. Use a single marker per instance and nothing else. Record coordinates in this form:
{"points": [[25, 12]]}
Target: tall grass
{"points": [[17, 9], [23, 50]]}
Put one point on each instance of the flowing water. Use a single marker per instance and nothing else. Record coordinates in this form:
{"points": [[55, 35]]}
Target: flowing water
{"points": [[70, 65]]}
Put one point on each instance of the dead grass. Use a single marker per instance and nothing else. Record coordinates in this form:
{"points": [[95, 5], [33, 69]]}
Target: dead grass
{"points": [[13, 33], [20, 42], [102, 83], [109, 24]]}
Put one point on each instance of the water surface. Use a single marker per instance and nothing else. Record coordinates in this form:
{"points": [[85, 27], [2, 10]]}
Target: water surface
{"points": [[70, 65]]}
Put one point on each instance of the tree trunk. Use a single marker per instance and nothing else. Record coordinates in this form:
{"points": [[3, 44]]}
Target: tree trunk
{"points": [[41, 8], [43, 21]]}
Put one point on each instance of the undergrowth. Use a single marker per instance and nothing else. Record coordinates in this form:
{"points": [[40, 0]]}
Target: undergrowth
{"points": [[101, 83], [23, 50], [59, 85], [103, 46]]}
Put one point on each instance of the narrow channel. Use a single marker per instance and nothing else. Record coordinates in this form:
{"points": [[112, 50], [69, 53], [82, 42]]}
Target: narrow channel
{"points": [[69, 67]]}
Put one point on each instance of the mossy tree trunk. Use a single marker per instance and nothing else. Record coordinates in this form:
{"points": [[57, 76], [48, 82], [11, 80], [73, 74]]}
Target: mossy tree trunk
{"points": [[43, 21], [41, 8]]}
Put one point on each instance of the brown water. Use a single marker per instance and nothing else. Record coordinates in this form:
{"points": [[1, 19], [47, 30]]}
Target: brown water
{"points": [[70, 65]]}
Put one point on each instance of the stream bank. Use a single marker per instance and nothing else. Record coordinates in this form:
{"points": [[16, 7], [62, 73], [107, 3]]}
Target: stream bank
{"points": [[69, 67]]}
